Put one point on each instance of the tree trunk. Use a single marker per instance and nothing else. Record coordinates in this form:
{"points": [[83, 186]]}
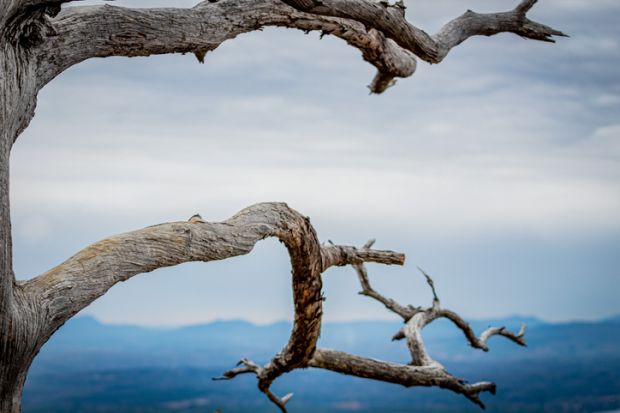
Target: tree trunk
{"points": [[18, 341], [6, 271], [10, 401], [12, 377], [18, 91]]}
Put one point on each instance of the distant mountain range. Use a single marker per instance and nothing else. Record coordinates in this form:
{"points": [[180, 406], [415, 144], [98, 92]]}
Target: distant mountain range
{"points": [[89, 366]]}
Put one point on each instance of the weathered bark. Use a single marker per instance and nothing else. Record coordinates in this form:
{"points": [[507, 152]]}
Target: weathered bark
{"points": [[17, 102], [10, 380], [6, 270], [41, 305], [81, 33], [20, 341], [18, 94], [38, 41], [403, 374], [390, 20], [422, 370]]}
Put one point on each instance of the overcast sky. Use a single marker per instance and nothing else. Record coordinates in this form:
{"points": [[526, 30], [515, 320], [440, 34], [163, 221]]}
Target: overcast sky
{"points": [[497, 171]]}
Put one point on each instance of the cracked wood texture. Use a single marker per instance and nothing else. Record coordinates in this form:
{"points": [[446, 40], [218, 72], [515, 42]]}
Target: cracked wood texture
{"points": [[39, 39]]}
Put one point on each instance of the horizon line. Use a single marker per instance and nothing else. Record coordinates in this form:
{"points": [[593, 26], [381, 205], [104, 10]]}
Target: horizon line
{"points": [[515, 317]]}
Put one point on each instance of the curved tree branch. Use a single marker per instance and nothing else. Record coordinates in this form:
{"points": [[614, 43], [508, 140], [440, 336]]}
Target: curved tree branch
{"points": [[390, 20], [378, 30], [405, 375], [66, 289], [481, 342], [247, 366], [72, 285], [405, 312], [84, 32], [422, 370]]}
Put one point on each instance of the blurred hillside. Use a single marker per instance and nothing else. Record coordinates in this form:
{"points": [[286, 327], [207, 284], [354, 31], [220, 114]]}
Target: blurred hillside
{"points": [[93, 367]]}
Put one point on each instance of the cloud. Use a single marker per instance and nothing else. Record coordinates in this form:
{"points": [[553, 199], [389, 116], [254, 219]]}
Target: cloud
{"points": [[511, 160], [507, 142], [605, 142]]}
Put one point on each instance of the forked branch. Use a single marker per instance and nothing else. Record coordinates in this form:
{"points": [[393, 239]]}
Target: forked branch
{"points": [[84, 32], [66, 289], [404, 374], [422, 370], [379, 30], [390, 20], [247, 366], [405, 312], [481, 341]]}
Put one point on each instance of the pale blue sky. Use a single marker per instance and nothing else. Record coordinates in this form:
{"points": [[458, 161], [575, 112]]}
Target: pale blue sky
{"points": [[498, 171]]}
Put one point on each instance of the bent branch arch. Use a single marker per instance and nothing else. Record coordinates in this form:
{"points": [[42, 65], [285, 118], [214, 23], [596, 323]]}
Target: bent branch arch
{"points": [[85, 32], [66, 289]]}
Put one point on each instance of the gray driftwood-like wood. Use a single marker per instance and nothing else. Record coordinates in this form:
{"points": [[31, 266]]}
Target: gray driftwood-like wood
{"points": [[39, 39]]}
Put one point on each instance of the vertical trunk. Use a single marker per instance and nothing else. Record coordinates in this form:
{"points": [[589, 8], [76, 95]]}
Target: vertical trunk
{"points": [[20, 341], [19, 322], [6, 101], [11, 387], [10, 382], [6, 271], [18, 90]]}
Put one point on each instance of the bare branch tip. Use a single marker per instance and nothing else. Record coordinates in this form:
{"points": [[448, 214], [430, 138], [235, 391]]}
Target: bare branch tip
{"points": [[286, 398], [220, 378], [431, 284], [525, 6], [400, 334], [369, 243], [280, 402]]}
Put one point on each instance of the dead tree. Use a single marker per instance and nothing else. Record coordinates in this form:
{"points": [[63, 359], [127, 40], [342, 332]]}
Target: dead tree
{"points": [[39, 39]]}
